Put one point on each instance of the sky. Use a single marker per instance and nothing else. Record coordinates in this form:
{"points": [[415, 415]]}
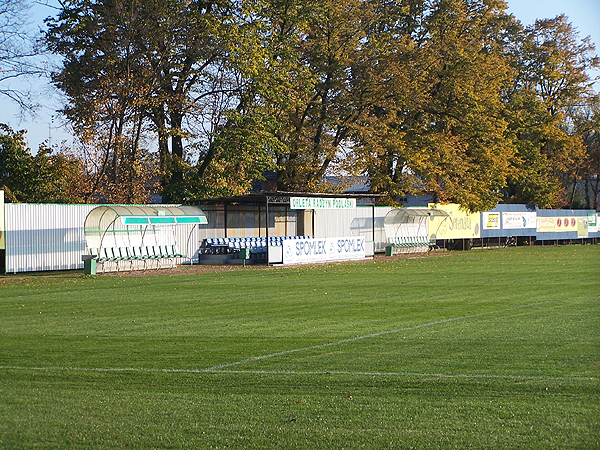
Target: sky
{"points": [[48, 126]]}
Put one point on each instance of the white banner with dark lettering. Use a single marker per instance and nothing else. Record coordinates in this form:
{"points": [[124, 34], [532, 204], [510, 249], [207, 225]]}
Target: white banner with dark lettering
{"points": [[322, 203], [516, 220], [302, 251]]}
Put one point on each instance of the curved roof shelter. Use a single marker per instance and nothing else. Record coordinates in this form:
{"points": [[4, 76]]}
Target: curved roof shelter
{"points": [[137, 221], [120, 217], [403, 215], [410, 221]]}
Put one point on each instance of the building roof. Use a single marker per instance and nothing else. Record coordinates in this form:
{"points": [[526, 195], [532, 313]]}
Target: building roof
{"points": [[278, 197]]}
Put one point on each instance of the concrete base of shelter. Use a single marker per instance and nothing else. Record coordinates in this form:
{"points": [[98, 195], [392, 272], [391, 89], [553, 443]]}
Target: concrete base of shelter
{"points": [[239, 261], [213, 259], [410, 249], [218, 260]]}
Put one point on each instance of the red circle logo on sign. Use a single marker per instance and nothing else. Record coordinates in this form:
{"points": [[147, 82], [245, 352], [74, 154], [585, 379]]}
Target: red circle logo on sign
{"points": [[558, 222], [573, 222]]}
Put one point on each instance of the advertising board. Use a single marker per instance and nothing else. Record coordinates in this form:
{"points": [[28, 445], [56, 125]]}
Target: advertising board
{"points": [[518, 220], [592, 220], [302, 251], [582, 227], [322, 203], [556, 224], [460, 224], [491, 221]]}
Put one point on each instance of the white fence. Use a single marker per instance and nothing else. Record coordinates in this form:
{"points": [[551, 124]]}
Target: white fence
{"points": [[42, 237], [364, 221]]}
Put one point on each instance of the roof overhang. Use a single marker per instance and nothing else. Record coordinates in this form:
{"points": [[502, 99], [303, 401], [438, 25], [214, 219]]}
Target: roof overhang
{"points": [[403, 215], [122, 216], [279, 197]]}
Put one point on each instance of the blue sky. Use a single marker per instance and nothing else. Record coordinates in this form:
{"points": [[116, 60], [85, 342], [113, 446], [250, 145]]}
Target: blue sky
{"points": [[584, 14]]}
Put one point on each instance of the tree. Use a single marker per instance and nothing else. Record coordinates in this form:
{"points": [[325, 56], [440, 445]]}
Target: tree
{"points": [[551, 66], [40, 178], [585, 190], [436, 126], [451, 98], [176, 69], [321, 45], [17, 52]]}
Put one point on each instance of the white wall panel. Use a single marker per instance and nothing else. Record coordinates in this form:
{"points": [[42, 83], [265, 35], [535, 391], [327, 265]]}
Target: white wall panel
{"points": [[353, 222], [41, 237], [44, 236]]}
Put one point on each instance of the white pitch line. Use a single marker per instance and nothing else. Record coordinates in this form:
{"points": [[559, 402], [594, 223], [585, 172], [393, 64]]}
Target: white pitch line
{"points": [[220, 368], [408, 374], [305, 373], [366, 336]]}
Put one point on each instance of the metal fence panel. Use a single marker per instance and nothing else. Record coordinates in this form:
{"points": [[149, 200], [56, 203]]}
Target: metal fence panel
{"points": [[42, 237], [365, 221]]}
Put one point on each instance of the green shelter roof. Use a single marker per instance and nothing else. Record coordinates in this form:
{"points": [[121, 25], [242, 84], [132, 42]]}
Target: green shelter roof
{"points": [[120, 217]]}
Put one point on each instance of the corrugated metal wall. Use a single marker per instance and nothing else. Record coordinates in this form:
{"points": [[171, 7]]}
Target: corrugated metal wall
{"points": [[502, 230], [353, 222], [188, 239], [44, 237], [557, 234], [41, 237]]}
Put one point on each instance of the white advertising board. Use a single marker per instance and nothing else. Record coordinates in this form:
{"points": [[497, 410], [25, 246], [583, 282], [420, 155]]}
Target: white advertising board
{"points": [[556, 224], [491, 221], [516, 220], [593, 222], [322, 203], [302, 251]]}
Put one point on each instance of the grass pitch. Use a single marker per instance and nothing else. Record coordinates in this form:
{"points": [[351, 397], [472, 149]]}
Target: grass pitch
{"points": [[481, 349]]}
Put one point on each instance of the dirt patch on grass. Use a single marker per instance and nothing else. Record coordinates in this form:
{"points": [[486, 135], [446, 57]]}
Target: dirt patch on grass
{"points": [[198, 269]]}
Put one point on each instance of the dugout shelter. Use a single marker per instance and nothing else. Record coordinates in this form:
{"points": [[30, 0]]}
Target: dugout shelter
{"points": [[411, 230], [266, 216], [134, 237]]}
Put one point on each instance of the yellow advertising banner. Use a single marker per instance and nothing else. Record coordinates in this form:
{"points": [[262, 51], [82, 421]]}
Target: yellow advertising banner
{"points": [[556, 224], [491, 221], [459, 224], [2, 241], [582, 227]]}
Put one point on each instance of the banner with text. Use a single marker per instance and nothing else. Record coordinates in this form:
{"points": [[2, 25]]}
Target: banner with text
{"points": [[555, 224], [593, 220], [516, 220], [322, 203], [302, 251], [491, 220], [459, 224]]}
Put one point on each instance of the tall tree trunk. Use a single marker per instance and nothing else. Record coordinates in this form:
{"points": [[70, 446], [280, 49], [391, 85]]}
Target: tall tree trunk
{"points": [[163, 152], [176, 145]]}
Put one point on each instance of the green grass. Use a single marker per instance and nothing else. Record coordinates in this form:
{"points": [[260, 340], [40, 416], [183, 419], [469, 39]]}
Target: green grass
{"points": [[481, 349]]}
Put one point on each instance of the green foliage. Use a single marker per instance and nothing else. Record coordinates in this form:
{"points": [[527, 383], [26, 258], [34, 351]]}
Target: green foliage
{"points": [[551, 84], [43, 177], [452, 98], [436, 122], [134, 68], [586, 119]]}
